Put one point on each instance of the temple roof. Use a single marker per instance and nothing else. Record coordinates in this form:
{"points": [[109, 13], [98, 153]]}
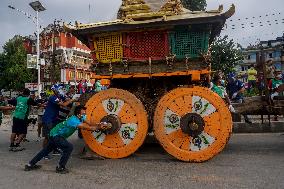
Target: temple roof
{"points": [[158, 19]]}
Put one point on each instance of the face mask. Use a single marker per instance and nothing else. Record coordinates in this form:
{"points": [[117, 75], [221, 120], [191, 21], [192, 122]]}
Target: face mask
{"points": [[83, 117]]}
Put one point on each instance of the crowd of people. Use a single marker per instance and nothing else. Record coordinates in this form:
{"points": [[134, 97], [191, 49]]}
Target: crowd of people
{"points": [[233, 90], [59, 116]]}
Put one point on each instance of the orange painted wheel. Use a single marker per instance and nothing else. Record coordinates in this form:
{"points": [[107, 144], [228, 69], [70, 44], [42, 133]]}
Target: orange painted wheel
{"points": [[192, 124], [129, 123]]}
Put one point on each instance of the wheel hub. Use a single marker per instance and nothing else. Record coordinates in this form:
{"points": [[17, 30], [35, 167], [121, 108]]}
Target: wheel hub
{"points": [[115, 122], [192, 124]]}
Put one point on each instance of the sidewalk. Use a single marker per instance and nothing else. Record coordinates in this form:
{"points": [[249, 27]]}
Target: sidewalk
{"points": [[238, 127]]}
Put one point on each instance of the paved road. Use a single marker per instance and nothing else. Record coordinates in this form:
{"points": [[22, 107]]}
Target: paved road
{"points": [[249, 161]]}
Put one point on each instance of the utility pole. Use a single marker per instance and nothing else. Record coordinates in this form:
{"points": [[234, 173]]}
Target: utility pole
{"points": [[37, 6], [55, 29]]}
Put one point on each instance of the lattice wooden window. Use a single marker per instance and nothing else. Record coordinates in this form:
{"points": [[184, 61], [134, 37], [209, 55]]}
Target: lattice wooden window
{"points": [[189, 43], [108, 48], [142, 45]]}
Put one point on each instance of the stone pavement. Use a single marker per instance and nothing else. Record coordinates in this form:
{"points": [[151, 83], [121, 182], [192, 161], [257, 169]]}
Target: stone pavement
{"points": [[249, 161]]}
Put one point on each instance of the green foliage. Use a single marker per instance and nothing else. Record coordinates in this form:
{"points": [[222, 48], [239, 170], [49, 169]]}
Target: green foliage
{"points": [[194, 5], [225, 55], [13, 61]]}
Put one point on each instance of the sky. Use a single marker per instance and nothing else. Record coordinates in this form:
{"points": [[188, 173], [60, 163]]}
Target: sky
{"points": [[247, 14]]}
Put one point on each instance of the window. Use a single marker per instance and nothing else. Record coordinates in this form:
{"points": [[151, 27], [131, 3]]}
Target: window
{"points": [[56, 40], [249, 57], [72, 74], [270, 55]]}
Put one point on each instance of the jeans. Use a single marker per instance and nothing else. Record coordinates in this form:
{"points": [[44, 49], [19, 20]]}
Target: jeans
{"points": [[53, 143]]}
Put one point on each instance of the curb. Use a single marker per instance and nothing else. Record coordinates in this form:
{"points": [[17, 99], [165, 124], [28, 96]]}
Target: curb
{"points": [[276, 127]]}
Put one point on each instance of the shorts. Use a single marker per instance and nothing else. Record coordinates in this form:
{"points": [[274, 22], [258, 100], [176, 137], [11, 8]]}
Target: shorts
{"points": [[46, 128], [20, 126]]}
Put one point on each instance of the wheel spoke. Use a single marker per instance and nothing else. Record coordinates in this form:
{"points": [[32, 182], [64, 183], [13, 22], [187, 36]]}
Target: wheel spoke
{"points": [[113, 106], [202, 106], [201, 142], [99, 136], [176, 108], [175, 135], [171, 121], [127, 114], [96, 114], [212, 124], [113, 141], [186, 144], [127, 132]]}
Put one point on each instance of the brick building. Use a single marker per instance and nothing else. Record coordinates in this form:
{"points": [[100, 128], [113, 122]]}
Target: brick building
{"points": [[69, 52], [60, 47]]}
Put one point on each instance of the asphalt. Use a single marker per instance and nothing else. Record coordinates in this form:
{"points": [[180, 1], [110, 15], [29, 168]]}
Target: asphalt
{"points": [[248, 161]]}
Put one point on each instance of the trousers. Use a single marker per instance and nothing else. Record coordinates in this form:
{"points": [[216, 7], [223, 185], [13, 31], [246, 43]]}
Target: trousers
{"points": [[54, 143]]}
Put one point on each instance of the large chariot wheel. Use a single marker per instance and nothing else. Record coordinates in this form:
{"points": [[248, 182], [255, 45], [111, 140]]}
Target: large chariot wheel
{"points": [[192, 124], [129, 123]]}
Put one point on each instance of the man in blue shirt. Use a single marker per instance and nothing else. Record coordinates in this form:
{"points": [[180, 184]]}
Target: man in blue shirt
{"points": [[236, 90], [50, 116], [58, 136]]}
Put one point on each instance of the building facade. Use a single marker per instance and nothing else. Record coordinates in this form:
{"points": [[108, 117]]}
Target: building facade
{"points": [[73, 59], [272, 49], [62, 48]]}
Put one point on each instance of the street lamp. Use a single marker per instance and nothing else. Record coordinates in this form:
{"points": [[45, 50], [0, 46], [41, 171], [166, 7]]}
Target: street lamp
{"points": [[37, 6]]}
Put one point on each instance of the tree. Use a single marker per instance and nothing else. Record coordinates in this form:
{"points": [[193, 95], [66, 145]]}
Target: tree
{"points": [[194, 5], [225, 54], [13, 64]]}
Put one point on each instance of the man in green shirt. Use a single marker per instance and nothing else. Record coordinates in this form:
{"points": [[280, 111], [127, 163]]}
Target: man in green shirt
{"points": [[58, 136], [20, 119]]}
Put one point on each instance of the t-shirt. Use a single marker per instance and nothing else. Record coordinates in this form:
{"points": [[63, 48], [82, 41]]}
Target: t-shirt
{"points": [[275, 83], [234, 87], [220, 90], [23, 105], [66, 128], [251, 74], [52, 110]]}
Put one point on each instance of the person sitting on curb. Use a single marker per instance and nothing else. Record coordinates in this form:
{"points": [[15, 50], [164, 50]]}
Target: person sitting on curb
{"points": [[58, 136]]}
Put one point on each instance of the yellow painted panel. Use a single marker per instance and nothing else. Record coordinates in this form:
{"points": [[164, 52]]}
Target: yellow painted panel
{"points": [[108, 48]]}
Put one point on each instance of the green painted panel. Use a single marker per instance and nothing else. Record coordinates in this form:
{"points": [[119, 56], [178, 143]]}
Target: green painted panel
{"points": [[188, 43]]}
